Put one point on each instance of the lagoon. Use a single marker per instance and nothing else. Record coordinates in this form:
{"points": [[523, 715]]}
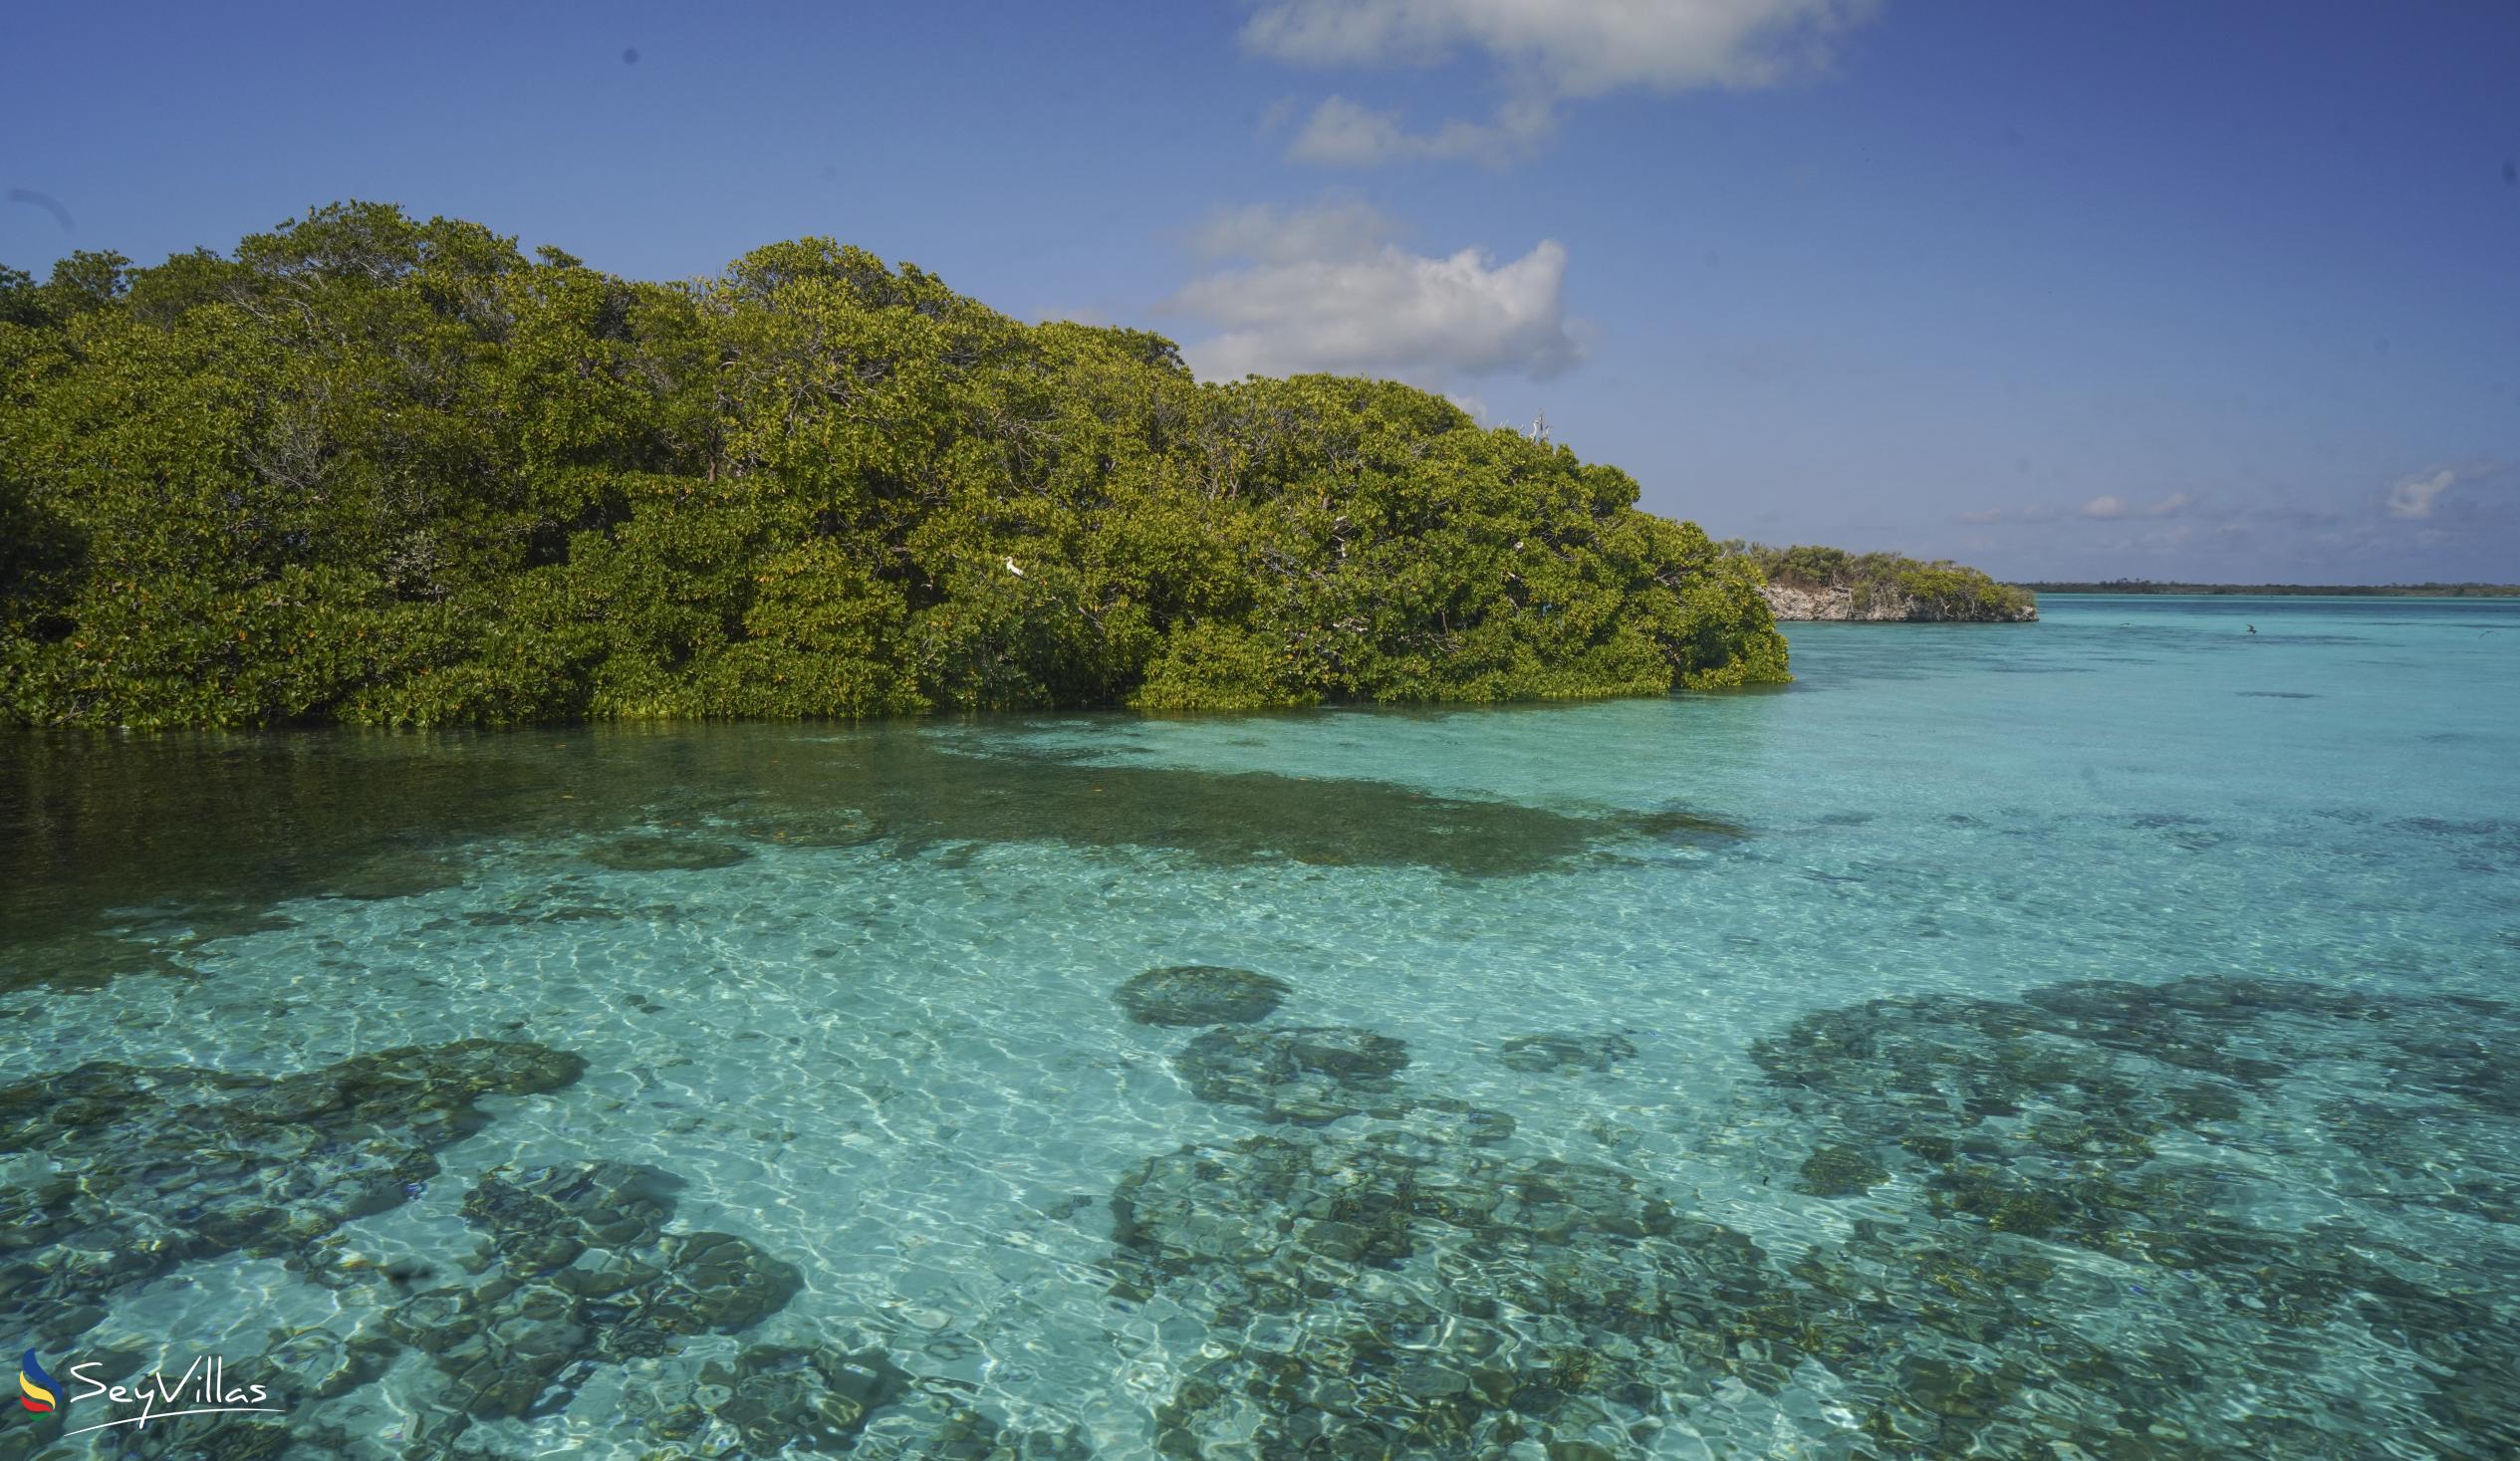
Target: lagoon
{"points": [[2097, 1032]]}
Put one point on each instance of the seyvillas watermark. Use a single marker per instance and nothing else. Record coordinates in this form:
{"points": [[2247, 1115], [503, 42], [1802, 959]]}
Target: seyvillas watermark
{"points": [[202, 1389], [35, 1387]]}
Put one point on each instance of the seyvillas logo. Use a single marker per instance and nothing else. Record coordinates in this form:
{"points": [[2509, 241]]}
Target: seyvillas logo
{"points": [[35, 1387], [202, 1389]]}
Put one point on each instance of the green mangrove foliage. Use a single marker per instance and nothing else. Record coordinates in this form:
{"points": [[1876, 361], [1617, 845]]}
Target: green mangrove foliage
{"points": [[375, 470], [1939, 589]]}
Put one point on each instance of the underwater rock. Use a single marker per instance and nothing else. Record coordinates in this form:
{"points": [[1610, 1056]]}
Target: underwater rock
{"points": [[321, 1364], [770, 1399], [1565, 1055], [1840, 1171], [1430, 1121], [1488, 1127], [584, 1275], [155, 1167], [547, 1221], [1201, 994], [1389, 1287], [83, 961], [1308, 1075], [2042, 1124], [1449, 1300], [223, 1438], [666, 854], [394, 874]]}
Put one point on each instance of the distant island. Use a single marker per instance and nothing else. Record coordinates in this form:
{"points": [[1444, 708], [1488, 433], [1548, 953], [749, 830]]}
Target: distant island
{"points": [[2324, 591], [368, 469], [1813, 584]]}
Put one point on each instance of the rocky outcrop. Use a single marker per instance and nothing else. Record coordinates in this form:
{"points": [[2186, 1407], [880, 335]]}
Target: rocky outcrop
{"points": [[1799, 605]]}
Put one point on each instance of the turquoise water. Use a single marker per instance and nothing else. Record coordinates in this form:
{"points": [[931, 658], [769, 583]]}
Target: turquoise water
{"points": [[2092, 1038]]}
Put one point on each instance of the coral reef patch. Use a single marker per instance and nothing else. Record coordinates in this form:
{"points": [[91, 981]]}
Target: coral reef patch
{"points": [[154, 1167], [584, 1274], [1308, 1075], [1201, 994], [1565, 1055], [2060, 1239]]}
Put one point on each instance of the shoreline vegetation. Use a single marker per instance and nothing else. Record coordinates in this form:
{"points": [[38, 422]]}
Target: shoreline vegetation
{"points": [[1808, 583], [367, 469], [2278, 590]]}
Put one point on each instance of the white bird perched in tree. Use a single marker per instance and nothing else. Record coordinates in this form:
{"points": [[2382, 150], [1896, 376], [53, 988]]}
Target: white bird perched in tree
{"points": [[1012, 568]]}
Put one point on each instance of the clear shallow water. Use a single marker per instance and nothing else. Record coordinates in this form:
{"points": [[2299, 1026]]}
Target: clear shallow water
{"points": [[2083, 1038]]}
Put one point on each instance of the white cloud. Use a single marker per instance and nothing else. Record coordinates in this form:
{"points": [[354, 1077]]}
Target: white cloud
{"points": [[1272, 235], [2414, 497], [2113, 506], [1544, 51], [1342, 133], [1325, 288], [1565, 48], [2102, 508]]}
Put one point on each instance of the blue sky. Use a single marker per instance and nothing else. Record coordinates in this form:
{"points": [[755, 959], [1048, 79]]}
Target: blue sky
{"points": [[2174, 290]]}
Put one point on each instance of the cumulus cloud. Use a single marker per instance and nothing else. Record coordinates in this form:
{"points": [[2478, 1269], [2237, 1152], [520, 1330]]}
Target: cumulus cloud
{"points": [[1328, 288], [1544, 52], [2414, 497], [2104, 507]]}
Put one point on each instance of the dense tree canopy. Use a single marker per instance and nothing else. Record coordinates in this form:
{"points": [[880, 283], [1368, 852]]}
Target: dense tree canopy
{"points": [[375, 470]]}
